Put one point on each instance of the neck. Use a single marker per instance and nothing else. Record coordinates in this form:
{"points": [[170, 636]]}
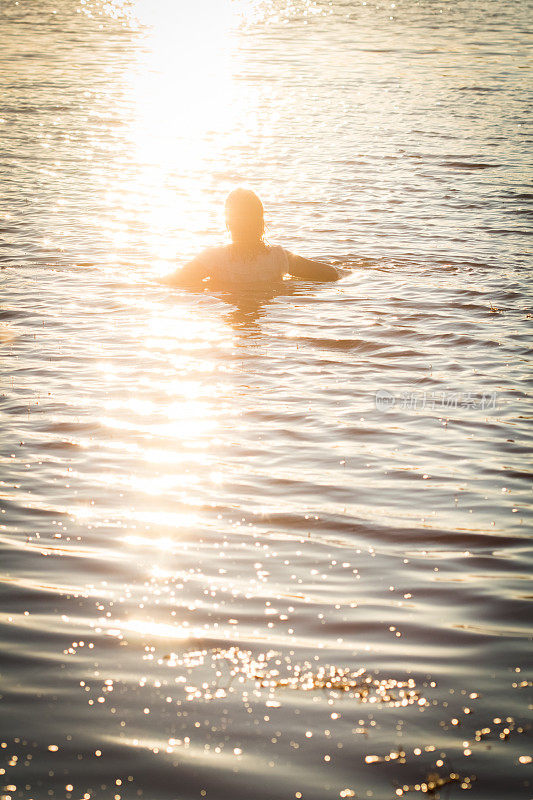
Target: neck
{"points": [[252, 247]]}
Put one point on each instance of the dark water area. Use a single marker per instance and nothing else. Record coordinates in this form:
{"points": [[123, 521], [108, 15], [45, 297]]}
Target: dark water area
{"points": [[265, 547]]}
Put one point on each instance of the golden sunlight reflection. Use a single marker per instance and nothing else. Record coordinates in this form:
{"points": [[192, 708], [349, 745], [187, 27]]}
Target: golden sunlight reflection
{"points": [[184, 407], [189, 422], [188, 328], [181, 110], [148, 627], [160, 543], [172, 519]]}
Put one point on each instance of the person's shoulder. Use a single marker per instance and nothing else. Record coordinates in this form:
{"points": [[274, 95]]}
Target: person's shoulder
{"points": [[280, 254], [212, 254], [278, 251], [278, 259]]}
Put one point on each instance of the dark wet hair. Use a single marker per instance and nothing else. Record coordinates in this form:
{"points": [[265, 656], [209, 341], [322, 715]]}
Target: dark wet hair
{"points": [[245, 217]]}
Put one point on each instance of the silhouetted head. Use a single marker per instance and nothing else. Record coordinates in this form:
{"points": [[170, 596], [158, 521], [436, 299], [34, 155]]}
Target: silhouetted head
{"points": [[244, 218]]}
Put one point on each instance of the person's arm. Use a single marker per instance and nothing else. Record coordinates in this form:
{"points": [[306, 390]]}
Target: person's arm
{"points": [[309, 270], [190, 274]]}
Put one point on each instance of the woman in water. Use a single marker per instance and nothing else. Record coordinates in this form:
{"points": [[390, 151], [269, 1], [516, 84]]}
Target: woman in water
{"points": [[247, 263]]}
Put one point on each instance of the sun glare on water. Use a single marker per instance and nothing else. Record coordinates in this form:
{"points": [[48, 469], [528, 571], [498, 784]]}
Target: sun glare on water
{"points": [[182, 109], [186, 121]]}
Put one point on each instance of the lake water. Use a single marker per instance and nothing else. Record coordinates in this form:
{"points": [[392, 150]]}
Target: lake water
{"points": [[277, 547]]}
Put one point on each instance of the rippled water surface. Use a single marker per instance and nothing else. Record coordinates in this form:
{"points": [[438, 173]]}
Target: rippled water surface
{"points": [[265, 547]]}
